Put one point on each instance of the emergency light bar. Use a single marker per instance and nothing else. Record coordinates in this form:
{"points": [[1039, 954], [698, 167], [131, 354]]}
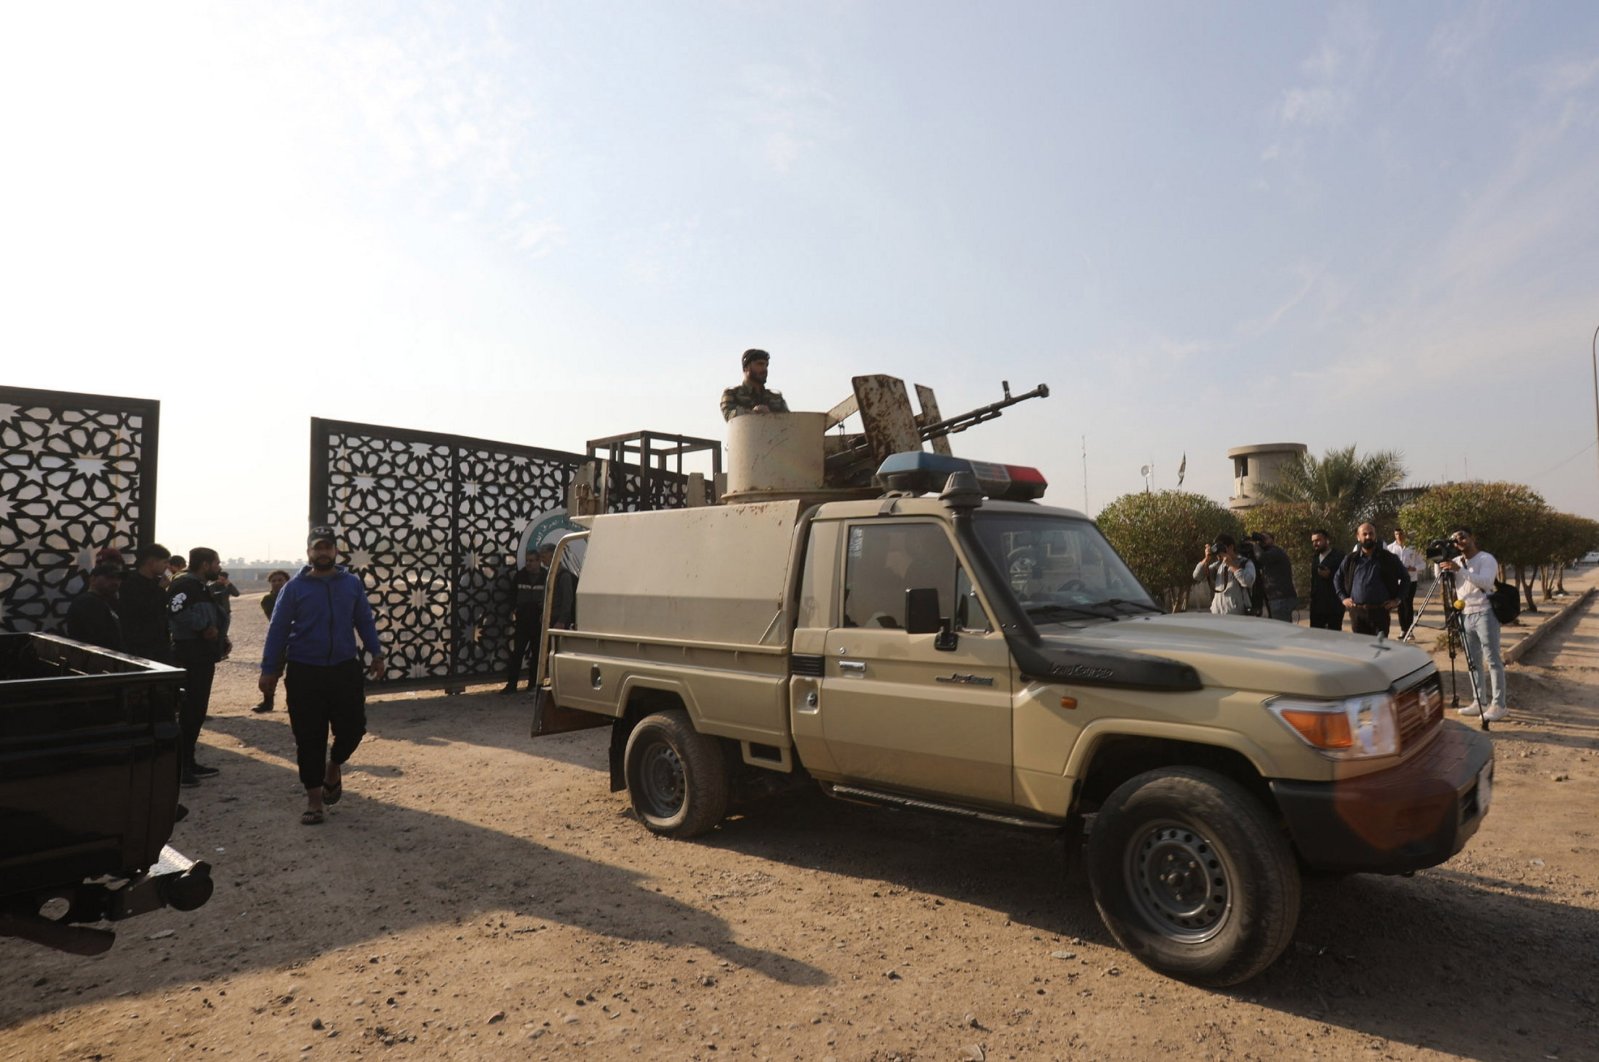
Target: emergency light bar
{"points": [[919, 472]]}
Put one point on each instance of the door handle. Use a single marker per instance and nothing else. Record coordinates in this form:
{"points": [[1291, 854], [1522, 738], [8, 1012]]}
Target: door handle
{"points": [[852, 667]]}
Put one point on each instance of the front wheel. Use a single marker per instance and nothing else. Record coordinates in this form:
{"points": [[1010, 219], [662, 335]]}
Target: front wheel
{"points": [[1193, 877], [676, 776]]}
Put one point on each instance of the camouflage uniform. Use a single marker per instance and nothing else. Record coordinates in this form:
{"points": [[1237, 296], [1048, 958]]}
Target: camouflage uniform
{"points": [[742, 399]]}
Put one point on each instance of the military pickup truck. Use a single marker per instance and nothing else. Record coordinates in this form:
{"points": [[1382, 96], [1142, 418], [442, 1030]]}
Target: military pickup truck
{"points": [[977, 653]]}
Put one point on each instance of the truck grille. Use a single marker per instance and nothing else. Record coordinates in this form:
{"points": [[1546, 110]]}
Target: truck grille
{"points": [[1419, 708]]}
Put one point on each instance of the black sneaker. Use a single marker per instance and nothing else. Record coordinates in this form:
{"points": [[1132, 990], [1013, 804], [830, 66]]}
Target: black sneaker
{"points": [[202, 771], [262, 707], [188, 780], [506, 691]]}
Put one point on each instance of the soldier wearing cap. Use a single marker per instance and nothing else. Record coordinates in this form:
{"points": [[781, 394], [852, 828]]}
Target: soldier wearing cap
{"points": [[751, 396], [311, 640]]}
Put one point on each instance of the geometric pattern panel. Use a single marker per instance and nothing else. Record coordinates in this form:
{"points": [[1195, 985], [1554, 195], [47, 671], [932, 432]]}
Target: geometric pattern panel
{"points": [[77, 473], [431, 523]]}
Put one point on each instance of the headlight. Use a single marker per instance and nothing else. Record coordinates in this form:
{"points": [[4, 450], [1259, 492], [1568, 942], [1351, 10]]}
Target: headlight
{"points": [[1353, 728]]}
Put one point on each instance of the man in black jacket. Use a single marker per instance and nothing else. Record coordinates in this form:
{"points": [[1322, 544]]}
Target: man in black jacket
{"points": [[1326, 610], [144, 606], [528, 586], [1371, 582], [1277, 573], [92, 617], [276, 580], [199, 639]]}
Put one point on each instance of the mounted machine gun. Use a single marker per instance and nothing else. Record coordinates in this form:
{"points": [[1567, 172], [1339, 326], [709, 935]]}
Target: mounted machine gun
{"points": [[888, 426]]}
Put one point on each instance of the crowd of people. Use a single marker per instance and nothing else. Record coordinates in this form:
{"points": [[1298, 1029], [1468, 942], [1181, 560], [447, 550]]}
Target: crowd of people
{"points": [[1371, 584], [176, 610]]}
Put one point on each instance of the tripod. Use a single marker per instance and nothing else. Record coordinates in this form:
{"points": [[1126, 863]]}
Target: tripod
{"points": [[1415, 617], [1455, 630]]}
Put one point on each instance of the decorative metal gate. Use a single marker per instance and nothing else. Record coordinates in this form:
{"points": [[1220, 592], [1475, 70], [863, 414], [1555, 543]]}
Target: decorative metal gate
{"points": [[77, 473], [432, 524]]}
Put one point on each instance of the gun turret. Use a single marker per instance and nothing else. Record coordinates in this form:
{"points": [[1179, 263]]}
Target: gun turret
{"points": [[794, 455]]}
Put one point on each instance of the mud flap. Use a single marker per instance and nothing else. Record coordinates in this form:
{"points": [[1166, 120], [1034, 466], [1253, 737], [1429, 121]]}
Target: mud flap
{"points": [[551, 718]]}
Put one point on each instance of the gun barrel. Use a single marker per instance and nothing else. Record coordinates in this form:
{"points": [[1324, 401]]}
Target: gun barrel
{"points": [[951, 425]]}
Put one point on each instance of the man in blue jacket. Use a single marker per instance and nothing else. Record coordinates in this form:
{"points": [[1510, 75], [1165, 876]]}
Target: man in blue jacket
{"points": [[314, 627]]}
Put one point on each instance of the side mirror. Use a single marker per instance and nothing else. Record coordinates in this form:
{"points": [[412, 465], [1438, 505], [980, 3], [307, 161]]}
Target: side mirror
{"points": [[921, 611]]}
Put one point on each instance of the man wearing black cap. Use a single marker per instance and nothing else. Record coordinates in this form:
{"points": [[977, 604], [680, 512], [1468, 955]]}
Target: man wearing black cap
{"points": [[92, 616], [144, 605], [199, 639], [528, 605], [751, 396], [314, 626]]}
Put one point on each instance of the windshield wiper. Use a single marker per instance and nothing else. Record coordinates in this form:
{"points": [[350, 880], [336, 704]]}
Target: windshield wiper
{"points": [[1047, 612], [1143, 606]]}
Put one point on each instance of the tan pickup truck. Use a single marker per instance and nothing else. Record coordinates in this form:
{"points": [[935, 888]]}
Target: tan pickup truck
{"points": [[995, 659]]}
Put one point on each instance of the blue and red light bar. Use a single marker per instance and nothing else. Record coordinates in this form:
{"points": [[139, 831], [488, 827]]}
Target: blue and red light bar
{"points": [[918, 472]]}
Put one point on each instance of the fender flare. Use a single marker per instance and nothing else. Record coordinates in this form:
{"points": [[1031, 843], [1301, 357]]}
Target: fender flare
{"points": [[1095, 733]]}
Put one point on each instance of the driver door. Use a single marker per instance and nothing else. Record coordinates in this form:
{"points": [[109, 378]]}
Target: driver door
{"points": [[897, 711]]}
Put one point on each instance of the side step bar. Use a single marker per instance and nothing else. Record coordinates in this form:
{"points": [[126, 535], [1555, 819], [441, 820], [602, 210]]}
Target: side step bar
{"points": [[873, 796]]}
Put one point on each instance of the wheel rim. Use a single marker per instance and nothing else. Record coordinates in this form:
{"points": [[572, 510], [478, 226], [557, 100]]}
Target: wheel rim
{"points": [[661, 780], [1179, 881]]}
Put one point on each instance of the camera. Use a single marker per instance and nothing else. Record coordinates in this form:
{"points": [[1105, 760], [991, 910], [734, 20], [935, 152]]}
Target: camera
{"points": [[1248, 549], [1442, 549]]}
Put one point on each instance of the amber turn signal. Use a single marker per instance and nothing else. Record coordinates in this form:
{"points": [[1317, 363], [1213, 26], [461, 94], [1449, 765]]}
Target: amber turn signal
{"points": [[1324, 730]]}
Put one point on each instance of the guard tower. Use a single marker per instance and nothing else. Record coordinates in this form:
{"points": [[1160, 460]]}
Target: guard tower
{"points": [[1257, 467]]}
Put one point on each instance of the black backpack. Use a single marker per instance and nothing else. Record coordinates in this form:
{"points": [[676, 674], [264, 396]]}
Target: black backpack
{"points": [[1505, 601]]}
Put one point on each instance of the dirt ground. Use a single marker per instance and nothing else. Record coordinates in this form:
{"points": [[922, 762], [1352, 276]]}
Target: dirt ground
{"points": [[477, 894]]}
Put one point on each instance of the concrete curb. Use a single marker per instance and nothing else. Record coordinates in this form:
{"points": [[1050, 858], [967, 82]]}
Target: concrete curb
{"points": [[1536, 635]]}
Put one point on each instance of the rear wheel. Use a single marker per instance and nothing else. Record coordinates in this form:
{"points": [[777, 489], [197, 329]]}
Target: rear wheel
{"points": [[1193, 877], [676, 776]]}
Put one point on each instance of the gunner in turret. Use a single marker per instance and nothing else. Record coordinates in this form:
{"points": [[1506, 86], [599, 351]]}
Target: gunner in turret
{"points": [[751, 396]]}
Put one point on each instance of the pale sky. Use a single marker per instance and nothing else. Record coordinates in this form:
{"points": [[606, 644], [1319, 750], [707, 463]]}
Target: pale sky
{"points": [[1203, 225]]}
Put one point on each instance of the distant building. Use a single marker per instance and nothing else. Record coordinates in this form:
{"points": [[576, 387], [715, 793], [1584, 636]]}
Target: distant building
{"points": [[1257, 467]]}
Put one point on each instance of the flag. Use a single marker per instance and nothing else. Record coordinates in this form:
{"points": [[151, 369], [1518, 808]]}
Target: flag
{"points": [[1182, 469]]}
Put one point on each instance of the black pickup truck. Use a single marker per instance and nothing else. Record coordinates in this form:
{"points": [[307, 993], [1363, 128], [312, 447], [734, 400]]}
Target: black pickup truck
{"points": [[89, 752]]}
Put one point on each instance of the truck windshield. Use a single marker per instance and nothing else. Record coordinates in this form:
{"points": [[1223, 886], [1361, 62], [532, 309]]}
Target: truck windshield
{"points": [[1060, 568]]}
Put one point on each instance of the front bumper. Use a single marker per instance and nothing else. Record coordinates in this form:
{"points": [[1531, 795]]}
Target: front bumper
{"points": [[1412, 816]]}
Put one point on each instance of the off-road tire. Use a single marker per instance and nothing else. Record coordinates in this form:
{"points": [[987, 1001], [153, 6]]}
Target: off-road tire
{"points": [[1193, 877], [676, 777]]}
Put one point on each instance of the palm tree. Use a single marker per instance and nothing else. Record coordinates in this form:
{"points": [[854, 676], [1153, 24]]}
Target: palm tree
{"points": [[1344, 487]]}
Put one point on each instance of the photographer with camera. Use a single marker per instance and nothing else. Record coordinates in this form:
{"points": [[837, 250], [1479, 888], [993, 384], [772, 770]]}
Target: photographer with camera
{"points": [[1230, 575], [1476, 570], [1371, 582]]}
